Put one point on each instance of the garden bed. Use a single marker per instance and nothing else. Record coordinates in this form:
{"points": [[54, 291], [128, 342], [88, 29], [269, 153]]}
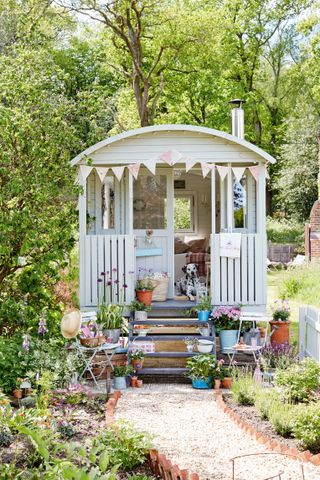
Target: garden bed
{"points": [[250, 415]]}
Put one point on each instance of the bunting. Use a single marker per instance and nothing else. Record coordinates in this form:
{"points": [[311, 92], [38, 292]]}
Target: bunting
{"points": [[118, 172], [206, 168], [102, 172], [134, 169], [190, 162], [85, 171], [151, 165], [238, 172], [171, 157], [223, 171], [255, 172]]}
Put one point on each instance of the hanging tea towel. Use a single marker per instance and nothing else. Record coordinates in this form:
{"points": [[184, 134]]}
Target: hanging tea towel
{"points": [[230, 245]]}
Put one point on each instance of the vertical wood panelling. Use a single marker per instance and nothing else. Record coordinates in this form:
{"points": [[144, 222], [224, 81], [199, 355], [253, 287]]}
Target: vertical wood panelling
{"points": [[102, 254], [240, 280]]}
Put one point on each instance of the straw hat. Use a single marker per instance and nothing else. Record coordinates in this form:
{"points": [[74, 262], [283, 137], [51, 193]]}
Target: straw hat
{"points": [[71, 323]]}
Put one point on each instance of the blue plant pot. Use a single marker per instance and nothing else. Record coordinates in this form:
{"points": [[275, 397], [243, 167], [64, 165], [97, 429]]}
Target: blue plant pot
{"points": [[228, 338], [120, 383], [200, 384], [203, 315]]}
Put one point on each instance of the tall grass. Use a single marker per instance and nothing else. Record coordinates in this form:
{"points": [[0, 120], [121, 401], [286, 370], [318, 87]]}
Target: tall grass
{"points": [[302, 284], [284, 231]]}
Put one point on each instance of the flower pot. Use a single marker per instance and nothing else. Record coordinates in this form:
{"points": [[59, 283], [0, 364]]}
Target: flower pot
{"points": [[139, 383], [228, 338], [120, 383], [199, 383], [112, 335], [17, 393], [217, 383], [137, 363], [227, 382], [144, 296], [203, 315], [133, 382], [205, 346], [280, 332], [140, 316]]}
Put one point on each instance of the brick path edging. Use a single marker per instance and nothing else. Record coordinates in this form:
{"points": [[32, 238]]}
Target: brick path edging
{"points": [[273, 445], [159, 463]]}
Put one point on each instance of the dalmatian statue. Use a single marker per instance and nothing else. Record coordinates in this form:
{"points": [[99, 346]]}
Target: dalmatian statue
{"points": [[188, 284]]}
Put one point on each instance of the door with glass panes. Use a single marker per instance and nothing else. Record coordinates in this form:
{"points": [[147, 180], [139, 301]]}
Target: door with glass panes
{"points": [[153, 222]]}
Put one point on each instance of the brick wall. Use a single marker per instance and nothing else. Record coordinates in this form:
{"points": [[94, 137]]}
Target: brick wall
{"points": [[314, 240]]}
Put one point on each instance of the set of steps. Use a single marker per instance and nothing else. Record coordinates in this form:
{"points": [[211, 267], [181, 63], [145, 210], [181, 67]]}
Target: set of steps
{"points": [[168, 331]]}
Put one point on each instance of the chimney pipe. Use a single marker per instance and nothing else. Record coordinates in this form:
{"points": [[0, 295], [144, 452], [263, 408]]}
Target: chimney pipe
{"points": [[237, 118]]}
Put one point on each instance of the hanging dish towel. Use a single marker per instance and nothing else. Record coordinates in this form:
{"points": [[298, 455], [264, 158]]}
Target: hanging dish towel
{"points": [[230, 245]]}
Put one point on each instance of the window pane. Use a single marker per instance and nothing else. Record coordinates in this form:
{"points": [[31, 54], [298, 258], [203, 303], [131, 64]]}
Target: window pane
{"points": [[239, 203], [150, 202], [183, 213], [108, 203]]}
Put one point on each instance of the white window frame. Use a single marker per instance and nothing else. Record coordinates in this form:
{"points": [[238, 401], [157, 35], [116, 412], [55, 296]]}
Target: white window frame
{"points": [[194, 210]]}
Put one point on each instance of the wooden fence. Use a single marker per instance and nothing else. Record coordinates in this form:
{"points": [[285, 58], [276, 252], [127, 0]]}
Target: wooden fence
{"points": [[309, 332], [240, 280]]}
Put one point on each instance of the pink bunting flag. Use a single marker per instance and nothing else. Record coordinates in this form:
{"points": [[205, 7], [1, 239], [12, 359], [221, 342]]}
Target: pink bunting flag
{"points": [[255, 172], [134, 169], [118, 172], [206, 168], [102, 172], [223, 171], [171, 157]]}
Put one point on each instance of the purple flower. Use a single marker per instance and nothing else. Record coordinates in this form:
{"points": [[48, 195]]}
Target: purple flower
{"points": [[125, 285], [42, 328], [114, 269], [99, 280], [26, 343], [103, 273], [109, 283], [116, 282]]}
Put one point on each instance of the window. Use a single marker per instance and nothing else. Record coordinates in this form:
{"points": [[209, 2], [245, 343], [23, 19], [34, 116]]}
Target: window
{"points": [[150, 202], [184, 220], [240, 203], [107, 203]]}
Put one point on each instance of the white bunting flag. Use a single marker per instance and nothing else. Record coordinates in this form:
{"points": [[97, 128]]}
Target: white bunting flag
{"points": [[118, 172], [170, 157], [85, 171], [151, 165], [134, 169], [255, 171], [206, 168], [190, 162], [223, 171], [102, 172], [238, 172]]}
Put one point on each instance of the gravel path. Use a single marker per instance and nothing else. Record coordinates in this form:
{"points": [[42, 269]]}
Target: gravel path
{"points": [[194, 433]]}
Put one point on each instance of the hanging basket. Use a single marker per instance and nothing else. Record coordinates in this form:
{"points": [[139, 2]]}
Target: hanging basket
{"points": [[160, 293]]}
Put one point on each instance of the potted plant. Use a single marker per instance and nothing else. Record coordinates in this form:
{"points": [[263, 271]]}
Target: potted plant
{"points": [[226, 377], [137, 358], [120, 373], [140, 310], [204, 308], [91, 335], [280, 323], [200, 370], [111, 320], [190, 343], [144, 290], [227, 323], [17, 392]]}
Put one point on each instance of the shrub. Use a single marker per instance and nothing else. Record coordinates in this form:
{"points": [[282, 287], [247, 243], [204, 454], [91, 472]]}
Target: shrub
{"points": [[243, 388], [284, 230], [300, 381], [279, 356], [264, 399], [281, 416], [124, 446], [306, 426]]}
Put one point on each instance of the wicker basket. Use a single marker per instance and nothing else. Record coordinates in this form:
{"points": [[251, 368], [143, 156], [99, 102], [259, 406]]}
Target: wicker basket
{"points": [[92, 342], [160, 293]]}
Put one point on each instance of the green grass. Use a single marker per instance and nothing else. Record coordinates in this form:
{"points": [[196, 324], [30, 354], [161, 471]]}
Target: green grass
{"points": [[284, 231], [300, 285]]}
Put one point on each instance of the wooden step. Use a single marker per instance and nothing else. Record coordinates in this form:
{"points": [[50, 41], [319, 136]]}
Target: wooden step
{"points": [[174, 322], [171, 354], [162, 371], [165, 338]]}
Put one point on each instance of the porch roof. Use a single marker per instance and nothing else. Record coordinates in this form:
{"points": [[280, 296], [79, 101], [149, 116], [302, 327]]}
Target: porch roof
{"points": [[173, 128]]}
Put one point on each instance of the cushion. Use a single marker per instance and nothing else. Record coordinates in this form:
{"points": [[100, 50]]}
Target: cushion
{"points": [[180, 246], [197, 246]]}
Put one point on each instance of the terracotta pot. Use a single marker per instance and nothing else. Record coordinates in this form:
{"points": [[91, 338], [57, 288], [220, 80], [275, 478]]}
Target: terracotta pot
{"points": [[137, 364], [17, 393], [133, 382], [227, 382], [217, 383], [139, 383], [280, 332], [144, 296]]}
